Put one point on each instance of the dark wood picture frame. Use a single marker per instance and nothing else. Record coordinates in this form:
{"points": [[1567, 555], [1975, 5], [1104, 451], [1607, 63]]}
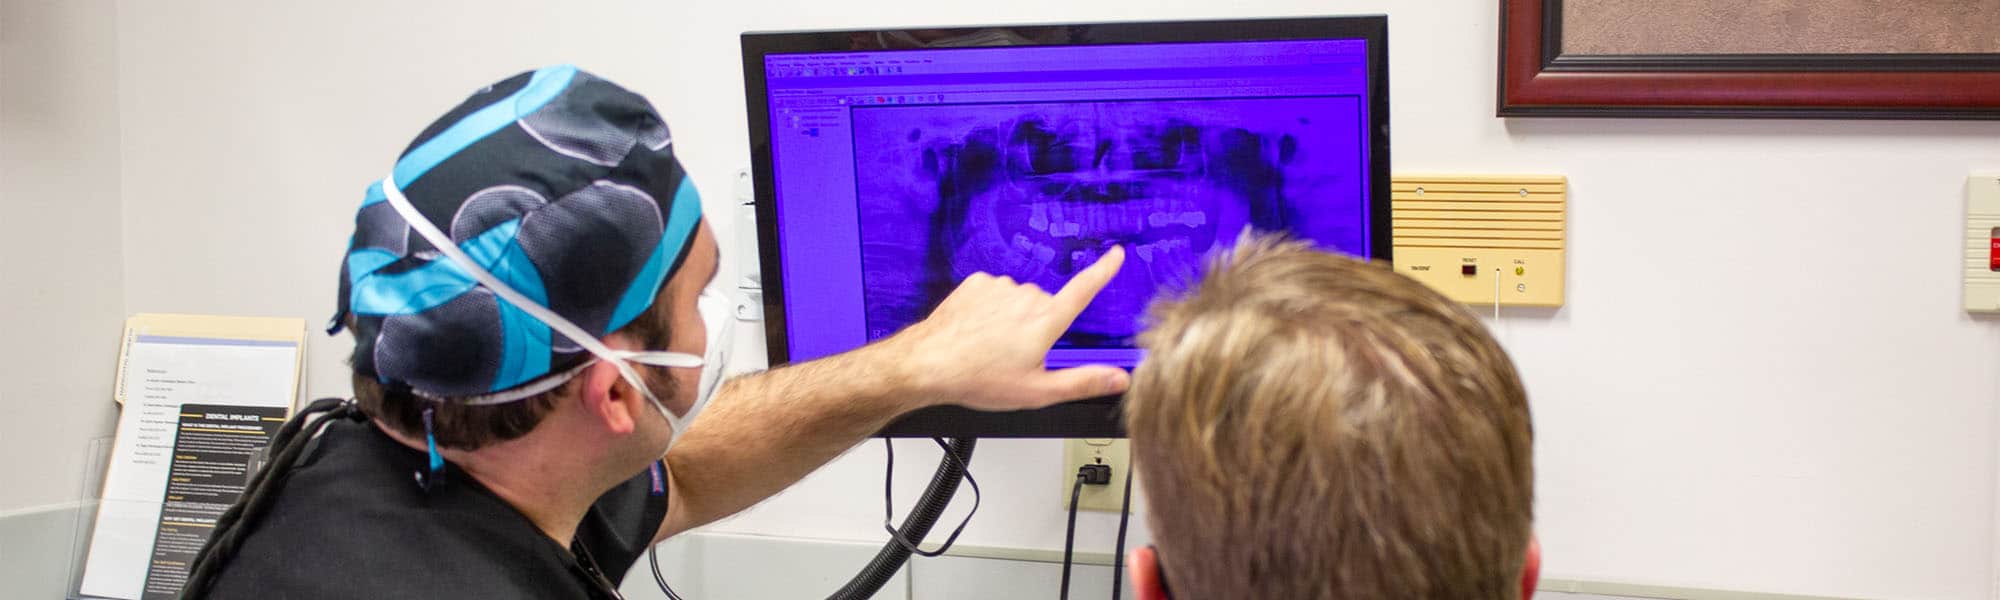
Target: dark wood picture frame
{"points": [[1538, 80]]}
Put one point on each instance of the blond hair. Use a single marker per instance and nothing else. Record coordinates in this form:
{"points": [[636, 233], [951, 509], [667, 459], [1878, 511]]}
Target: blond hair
{"points": [[1311, 426]]}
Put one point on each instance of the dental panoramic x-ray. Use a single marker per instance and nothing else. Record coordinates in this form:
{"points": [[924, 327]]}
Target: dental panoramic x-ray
{"points": [[1038, 191], [896, 174]]}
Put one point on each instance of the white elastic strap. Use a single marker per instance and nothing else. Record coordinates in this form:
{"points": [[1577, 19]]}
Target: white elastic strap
{"points": [[617, 358], [662, 359]]}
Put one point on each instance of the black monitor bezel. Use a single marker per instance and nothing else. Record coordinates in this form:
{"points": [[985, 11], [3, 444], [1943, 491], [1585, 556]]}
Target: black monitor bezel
{"points": [[1098, 417]]}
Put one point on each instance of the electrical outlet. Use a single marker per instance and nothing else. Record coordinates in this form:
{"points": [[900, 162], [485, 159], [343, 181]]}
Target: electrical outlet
{"points": [[1096, 451]]}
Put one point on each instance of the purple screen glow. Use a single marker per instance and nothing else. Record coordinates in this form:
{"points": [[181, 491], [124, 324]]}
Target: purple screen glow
{"points": [[901, 173]]}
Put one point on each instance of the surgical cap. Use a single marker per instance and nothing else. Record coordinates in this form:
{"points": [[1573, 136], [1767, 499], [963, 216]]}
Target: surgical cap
{"points": [[565, 187]]}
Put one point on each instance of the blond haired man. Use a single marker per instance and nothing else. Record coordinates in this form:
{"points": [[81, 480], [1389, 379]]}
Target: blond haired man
{"points": [[1311, 426]]}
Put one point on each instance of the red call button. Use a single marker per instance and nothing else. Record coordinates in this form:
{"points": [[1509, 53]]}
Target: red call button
{"points": [[1993, 255]]}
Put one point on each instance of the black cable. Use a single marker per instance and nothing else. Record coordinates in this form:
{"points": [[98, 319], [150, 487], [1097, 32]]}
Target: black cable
{"points": [[1069, 537], [653, 551], [1124, 516], [944, 484], [653, 556], [889, 502]]}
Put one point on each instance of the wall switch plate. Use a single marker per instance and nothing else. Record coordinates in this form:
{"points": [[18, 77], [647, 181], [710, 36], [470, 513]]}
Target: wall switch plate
{"points": [[1105, 451], [1982, 243]]}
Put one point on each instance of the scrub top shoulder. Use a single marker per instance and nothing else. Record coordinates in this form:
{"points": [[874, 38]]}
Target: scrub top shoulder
{"points": [[353, 522]]}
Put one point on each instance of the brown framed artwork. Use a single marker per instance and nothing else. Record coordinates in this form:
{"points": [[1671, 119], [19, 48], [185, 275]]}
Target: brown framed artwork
{"points": [[1854, 59]]}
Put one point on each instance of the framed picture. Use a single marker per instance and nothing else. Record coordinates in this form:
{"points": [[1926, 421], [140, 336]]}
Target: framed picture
{"points": [[1849, 59]]}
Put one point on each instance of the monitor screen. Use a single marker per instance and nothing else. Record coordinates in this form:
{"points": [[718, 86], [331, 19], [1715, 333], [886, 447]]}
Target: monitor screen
{"points": [[891, 169]]}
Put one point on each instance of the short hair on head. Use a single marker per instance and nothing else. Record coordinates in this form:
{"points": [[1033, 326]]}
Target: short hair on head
{"points": [[455, 424], [1309, 425]]}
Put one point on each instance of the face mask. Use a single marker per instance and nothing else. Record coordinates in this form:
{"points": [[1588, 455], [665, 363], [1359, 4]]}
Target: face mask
{"points": [[718, 320], [621, 359], [720, 326]]}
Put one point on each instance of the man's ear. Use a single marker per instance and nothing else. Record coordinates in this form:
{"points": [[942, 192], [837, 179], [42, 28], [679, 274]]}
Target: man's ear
{"points": [[606, 398], [1531, 569], [1147, 582]]}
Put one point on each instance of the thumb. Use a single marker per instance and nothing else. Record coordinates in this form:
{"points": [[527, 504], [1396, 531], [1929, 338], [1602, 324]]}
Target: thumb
{"points": [[1077, 383]]}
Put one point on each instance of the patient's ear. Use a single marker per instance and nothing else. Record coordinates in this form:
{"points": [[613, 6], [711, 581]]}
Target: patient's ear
{"points": [[1144, 565], [1531, 569]]}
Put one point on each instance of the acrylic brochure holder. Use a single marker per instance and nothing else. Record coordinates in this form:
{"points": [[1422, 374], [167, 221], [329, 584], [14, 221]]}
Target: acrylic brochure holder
{"points": [[141, 546], [201, 397], [96, 455]]}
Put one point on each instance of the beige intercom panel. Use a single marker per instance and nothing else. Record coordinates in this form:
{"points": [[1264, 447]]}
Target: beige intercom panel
{"points": [[1482, 239], [1982, 243]]}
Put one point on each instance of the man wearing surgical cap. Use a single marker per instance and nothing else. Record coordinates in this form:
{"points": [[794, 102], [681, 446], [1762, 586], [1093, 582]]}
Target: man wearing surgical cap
{"points": [[526, 289]]}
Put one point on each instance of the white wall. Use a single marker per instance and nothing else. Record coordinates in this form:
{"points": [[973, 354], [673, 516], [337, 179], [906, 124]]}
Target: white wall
{"points": [[59, 243], [1762, 381]]}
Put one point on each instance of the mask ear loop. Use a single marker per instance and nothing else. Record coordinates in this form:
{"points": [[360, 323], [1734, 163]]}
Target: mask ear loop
{"points": [[618, 358]]}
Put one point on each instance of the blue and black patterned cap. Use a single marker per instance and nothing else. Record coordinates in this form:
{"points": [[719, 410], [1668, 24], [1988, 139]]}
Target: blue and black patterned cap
{"points": [[564, 186]]}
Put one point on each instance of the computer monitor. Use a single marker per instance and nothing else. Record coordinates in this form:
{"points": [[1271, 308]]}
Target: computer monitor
{"points": [[890, 164]]}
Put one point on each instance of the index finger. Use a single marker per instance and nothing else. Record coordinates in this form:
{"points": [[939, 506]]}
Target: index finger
{"points": [[1077, 294]]}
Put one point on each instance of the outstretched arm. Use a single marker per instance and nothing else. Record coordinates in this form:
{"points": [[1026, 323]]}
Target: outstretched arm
{"points": [[982, 348]]}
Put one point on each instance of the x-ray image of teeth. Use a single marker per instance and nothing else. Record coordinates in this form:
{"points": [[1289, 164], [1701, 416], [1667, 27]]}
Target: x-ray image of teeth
{"points": [[1039, 191]]}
